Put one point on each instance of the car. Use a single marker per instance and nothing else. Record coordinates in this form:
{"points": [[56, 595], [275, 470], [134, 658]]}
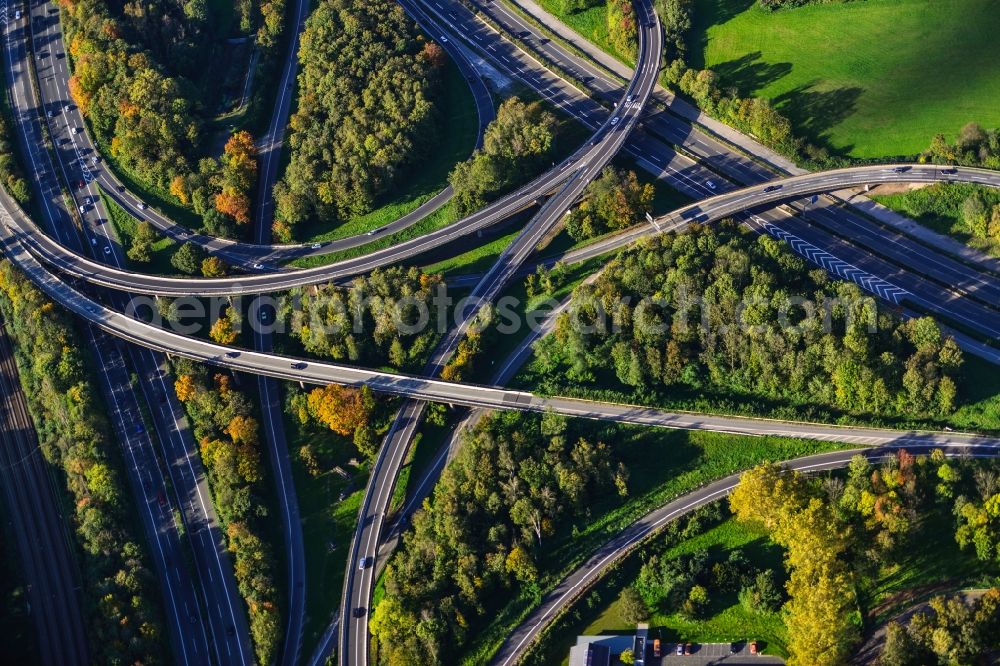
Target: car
{"points": [[52, 114], [710, 184], [43, 54], [363, 564], [139, 429], [687, 649], [299, 365], [370, 233], [316, 246], [83, 209], [772, 188], [628, 100], [121, 189], [257, 266], [107, 249], [142, 205], [680, 650], [614, 121], [77, 130], [359, 612], [949, 171], [68, 108], [900, 169], [81, 184], [161, 499], [17, 15], [656, 648], [754, 649], [93, 241], [444, 40], [232, 354], [264, 315], [95, 159]]}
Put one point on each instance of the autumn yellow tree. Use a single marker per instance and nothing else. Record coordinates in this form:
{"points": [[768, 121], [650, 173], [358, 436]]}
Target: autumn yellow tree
{"points": [[243, 429], [185, 387], [213, 267], [222, 331], [821, 592], [341, 408]]}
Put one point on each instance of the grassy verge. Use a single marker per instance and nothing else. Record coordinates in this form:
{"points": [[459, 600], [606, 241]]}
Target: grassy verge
{"points": [[939, 207], [663, 464], [461, 126], [592, 23], [873, 79], [125, 226]]}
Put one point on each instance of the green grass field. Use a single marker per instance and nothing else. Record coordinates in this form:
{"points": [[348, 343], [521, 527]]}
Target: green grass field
{"points": [[726, 619], [873, 78]]}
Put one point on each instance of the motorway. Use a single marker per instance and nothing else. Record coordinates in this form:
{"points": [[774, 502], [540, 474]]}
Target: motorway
{"points": [[727, 204], [359, 579], [52, 575], [572, 586], [567, 181], [211, 592]]}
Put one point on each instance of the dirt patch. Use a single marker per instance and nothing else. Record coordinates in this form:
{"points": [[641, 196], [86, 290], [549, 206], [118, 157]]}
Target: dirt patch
{"points": [[895, 188]]}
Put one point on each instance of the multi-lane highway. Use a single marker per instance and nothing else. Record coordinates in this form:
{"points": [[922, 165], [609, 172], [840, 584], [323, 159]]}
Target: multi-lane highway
{"points": [[579, 581], [583, 167], [211, 593], [727, 204]]}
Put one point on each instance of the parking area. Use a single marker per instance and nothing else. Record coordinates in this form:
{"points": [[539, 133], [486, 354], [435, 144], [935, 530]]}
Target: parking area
{"points": [[704, 654]]}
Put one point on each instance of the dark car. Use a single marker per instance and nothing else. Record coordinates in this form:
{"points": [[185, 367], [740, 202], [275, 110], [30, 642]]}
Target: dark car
{"points": [[139, 429], [299, 365], [900, 169], [232, 354], [772, 188], [949, 171], [359, 612]]}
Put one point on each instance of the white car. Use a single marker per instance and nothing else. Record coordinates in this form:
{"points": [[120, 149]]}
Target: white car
{"points": [[68, 108], [710, 184], [93, 241], [444, 40], [83, 209], [363, 564], [614, 121], [142, 206], [77, 130], [17, 15], [316, 246], [258, 266]]}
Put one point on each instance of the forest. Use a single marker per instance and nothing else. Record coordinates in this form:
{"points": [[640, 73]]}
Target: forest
{"points": [[228, 437], [474, 543], [366, 112], [516, 145], [120, 591], [373, 321], [722, 310]]}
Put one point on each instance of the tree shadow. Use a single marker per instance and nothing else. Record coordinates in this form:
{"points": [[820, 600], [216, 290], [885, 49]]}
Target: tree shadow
{"points": [[814, 112], [749, 73], [707, 15]]}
